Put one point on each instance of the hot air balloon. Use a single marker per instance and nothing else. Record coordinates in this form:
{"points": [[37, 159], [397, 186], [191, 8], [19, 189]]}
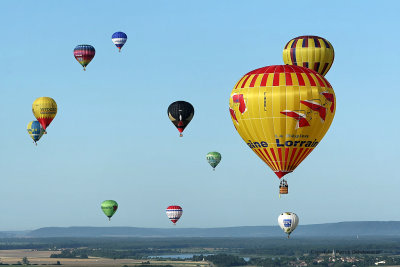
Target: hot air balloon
{"points": [[282, 113], [174, 213], [288, 221], [44, 109], [84, 54], [180, 113], [119, 39], [312, 52], [35, 130], [213, 159], [109, 207]]}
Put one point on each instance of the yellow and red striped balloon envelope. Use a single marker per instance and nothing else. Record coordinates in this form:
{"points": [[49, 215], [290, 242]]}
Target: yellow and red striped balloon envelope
{"points": [[282, 113], [312, 52]]}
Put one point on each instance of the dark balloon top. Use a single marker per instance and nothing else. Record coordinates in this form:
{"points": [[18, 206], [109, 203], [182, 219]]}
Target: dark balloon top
{"points": [[180, 113], [181, 110]]}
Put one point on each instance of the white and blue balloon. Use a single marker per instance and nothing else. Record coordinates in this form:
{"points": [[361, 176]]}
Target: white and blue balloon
{"points": [[288, 221], [119, 39]]}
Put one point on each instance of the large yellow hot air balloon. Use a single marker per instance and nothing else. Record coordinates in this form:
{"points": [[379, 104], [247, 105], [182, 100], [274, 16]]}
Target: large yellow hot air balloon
{"points": [[44, 109], [312, 52], [282, 113]]}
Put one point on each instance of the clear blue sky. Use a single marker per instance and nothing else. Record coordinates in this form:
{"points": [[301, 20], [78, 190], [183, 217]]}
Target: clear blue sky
{"points": [[112, 139]]}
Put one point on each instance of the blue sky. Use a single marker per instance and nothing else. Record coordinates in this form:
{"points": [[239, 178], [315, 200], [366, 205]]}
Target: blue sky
{"points": [[112, 139]]}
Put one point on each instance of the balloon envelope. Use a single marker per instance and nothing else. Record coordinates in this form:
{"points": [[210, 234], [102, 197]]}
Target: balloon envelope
{"points": [[180, 113], [84, 54], [282, 113], [119, 39], [312, 52], [174, 213], [288, 221], [109, 207], [213, 158], [35, 130], [44, 109]]}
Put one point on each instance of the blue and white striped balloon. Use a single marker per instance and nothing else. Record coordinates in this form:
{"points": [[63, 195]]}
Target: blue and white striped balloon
{"points": [[119, 39]]}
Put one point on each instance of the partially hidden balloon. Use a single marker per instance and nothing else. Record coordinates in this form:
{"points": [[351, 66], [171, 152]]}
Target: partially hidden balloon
{"points": [[213, 159], [282, 113], [84, 54], [44, 109], [288, 221], [109, 207], [174, 213], [119, 39], [35, 130], [180, 113], [312, 52]]}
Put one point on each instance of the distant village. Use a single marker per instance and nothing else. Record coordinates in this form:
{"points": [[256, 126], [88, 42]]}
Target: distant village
{"points": [[336, 259]]}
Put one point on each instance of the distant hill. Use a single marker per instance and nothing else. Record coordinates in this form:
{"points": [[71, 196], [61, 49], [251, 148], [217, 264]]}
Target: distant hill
{"points": [[11, 234], [341, 229]]}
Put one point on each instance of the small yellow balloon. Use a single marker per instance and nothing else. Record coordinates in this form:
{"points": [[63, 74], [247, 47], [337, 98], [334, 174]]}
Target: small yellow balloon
{"points": [[44, 109], [312, 52], [282, 113]]}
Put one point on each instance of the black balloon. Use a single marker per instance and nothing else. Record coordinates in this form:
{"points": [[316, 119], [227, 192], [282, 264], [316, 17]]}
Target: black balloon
{"points": [[180, 113]]}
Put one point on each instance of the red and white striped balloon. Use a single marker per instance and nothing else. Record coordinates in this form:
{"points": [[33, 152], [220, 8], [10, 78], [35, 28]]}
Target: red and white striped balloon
{"points": [[174, 213]]}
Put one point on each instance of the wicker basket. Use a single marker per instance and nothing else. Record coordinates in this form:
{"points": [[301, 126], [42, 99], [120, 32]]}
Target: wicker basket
{"points": [[283, 190]]}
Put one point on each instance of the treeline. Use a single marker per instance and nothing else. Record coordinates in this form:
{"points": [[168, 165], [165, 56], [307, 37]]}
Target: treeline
{"points": [[83, 253], [138, 247], [222, 260], [70, 254], [127, 254], [281, 261], [218, 259]]}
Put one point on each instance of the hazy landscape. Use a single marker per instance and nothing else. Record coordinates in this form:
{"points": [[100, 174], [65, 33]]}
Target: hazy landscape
{"points": [[338, 244]]}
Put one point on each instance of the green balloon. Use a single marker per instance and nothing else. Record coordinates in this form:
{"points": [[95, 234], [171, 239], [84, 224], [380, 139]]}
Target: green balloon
{"points": [[109, 207], [213, 159]]}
